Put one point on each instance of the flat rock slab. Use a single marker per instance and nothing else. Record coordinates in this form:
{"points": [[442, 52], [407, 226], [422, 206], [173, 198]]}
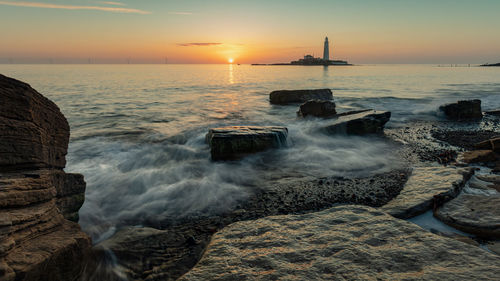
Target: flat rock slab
{"points": [[347, 242], [359, 122], [233, 142], [476, 214], [299, 96], [426, 187]]}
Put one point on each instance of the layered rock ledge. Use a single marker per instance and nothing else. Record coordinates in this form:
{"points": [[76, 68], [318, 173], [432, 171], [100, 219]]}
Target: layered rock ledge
{"points": [[344, 242], [37, 242]]}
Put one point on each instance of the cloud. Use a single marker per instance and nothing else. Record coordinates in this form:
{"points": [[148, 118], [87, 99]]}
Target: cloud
{"points": [[198, 44], [73, 7], [180, 13], [112, 3]]}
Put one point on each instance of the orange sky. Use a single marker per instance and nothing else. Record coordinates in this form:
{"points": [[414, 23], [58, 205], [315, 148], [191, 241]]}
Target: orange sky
{"points": [[257, 31]]}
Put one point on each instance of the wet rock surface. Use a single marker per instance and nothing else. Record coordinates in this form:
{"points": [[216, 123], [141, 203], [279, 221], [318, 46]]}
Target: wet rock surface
{"points": [[299, 96], [426, 188], [466, 139], [476, 214], [318, 108], [233, 142], [36, 241], [463, 110], [344, 242], [359, 123], [183, 240]]}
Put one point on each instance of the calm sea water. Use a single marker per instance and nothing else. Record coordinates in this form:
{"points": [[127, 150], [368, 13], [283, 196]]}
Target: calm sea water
{"points": [[137, 131]]}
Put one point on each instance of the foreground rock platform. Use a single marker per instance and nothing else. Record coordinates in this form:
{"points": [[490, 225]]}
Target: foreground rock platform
{"points": [[299, 96], [347, 242], [359, 122], [164, 249], [463, 110], [227, 143], [426, 188], [37, 241], [476, 214]]}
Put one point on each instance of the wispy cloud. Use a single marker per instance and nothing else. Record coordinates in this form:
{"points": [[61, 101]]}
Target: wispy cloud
{"points": [[180, 13], [74, 7], [196, 44], [112, 3]]}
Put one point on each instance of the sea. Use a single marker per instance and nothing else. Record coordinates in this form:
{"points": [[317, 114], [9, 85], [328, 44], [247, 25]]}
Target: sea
{"points": [[138, 131]]}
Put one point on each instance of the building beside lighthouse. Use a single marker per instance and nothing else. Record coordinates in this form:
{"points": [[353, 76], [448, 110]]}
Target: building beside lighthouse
{"points": [[311, 60]]}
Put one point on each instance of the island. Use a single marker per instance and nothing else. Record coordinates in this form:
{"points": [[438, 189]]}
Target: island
{"points": [[311, 60], [494, 64]]}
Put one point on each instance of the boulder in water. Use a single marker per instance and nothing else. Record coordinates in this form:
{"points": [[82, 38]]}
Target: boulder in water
{"points": [[298, 96], [463, 110], [319, 108], [359, 122], [233, 142]]}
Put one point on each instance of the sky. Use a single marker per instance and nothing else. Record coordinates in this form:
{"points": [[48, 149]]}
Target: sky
{"points": [[257, 31]]}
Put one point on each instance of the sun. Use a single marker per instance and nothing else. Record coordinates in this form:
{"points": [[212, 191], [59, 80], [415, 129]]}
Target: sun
{"points": [[230, 60]]}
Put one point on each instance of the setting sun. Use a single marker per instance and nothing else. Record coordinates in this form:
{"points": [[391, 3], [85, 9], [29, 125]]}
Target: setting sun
{"points": [[230, 60]]}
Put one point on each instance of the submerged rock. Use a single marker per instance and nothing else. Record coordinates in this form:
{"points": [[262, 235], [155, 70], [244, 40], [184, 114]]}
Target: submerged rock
{"points": [[36, 195], [319, 108], [463, 110], [359, 122], [476, 214], [345, 242], [298, 96], [426, 188], [236, 141]]}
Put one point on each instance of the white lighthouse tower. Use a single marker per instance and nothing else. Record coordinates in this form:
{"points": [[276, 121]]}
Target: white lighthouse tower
{"points": [[326, 50]]}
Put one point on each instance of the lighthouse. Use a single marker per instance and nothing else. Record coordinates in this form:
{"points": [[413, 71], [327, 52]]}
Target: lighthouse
{"points": [[326, 50]]}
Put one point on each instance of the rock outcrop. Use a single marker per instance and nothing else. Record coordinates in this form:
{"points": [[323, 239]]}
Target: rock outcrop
{"points": [[299, 96], [493, 112], [344, 242], [476, 214], [318, 108], [426, 188], [359, 122], [236, 141], [463, 110], [36, 241]]}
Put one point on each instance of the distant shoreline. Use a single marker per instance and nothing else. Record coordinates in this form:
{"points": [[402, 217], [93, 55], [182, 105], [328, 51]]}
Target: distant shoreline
{"points": [[487, 64], [348, 64]]}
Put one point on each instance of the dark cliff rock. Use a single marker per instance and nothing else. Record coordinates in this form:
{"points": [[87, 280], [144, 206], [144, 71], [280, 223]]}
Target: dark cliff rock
{"points": [[36, 195]]}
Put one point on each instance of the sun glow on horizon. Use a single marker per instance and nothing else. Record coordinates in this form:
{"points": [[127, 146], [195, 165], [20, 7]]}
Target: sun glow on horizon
{"points": [[230, 60]]}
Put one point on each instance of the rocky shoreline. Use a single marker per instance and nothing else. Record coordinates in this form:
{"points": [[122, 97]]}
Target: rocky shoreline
{"points": [[314, 228]]}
